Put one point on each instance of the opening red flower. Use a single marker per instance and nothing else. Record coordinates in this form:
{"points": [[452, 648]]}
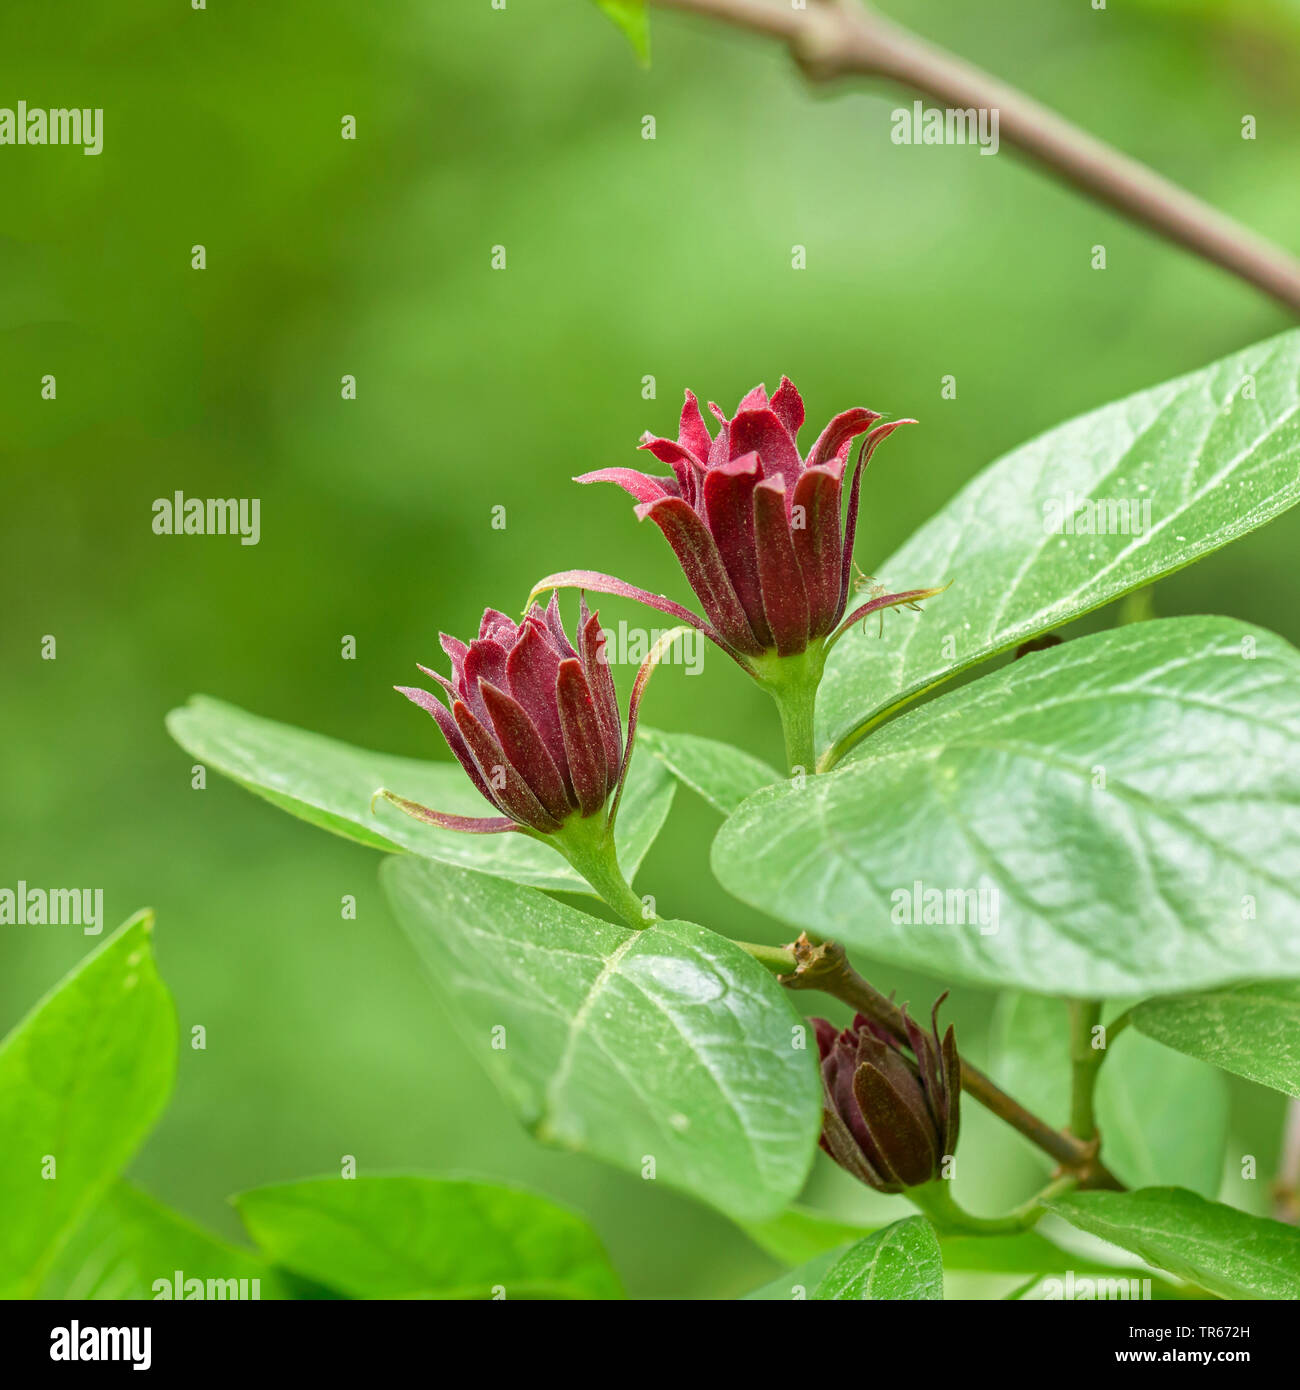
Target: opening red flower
{"points": [[756, 525]]}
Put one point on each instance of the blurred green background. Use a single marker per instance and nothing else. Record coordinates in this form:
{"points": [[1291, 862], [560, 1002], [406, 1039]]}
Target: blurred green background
{"points": [[477, 387]]}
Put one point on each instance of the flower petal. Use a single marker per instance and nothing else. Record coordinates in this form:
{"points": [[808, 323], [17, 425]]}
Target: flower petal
{"points": [[473, 825], [834, 440], [498, 626], [523, 746], [729, 511], [555, 626], [692, 432], [902, 1138], [583, 743], [754, 400], [787, 404], [869, 445], [815, 530], [595, 664], [884, 601], [442, 717], [509, 790], [485, 661], [697, 553], [763, 432], [599, 583], [785, 601], [642, 486], [531, 672]]}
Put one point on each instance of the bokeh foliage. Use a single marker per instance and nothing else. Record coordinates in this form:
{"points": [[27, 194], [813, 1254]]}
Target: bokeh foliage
{"points": [[476, 388]]}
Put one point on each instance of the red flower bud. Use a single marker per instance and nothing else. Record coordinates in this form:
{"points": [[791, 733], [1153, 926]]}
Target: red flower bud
{"points": [[531, 719], [889, 1120]]}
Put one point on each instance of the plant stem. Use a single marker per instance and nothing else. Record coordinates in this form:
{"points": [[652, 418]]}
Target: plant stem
{"points": [[832, 38], [796, 710], [936, 1200], [587, 842], [825, 967], [778, 959], [1085, 1059], [792, 682]]}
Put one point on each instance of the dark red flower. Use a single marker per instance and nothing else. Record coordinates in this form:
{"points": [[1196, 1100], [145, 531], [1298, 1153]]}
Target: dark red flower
{"points": [[532, 720], [889, 1120], [755, 525]]}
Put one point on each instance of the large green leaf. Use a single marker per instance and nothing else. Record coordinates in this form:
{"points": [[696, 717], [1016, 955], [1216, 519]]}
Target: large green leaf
{"points": [[416, 1237], [797, 1285], [1163, 1117], [1216, 452], [1217, 1247], [82, 1079], [667, 1051], [131, 1247], [901, 1261], [632, 18], [332, 785], [1252, 1030], [722, 774], [801, 1234], [1128, 804]]}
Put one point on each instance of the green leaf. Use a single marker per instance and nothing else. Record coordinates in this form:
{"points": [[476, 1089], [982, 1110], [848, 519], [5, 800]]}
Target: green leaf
{"points": [[1223, 1250], [800, 1233], [332, 785], [632, 18], [796, 1285], [724, 776], [82, 1079], [901, 1261], [667, 1046], [1163, 1117], [1215, 461], [130, 1246], [1252, 1030], [1116, 816], [415, 1237]]}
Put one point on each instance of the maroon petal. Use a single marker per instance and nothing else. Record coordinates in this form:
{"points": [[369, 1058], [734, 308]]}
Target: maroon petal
{"points": [[531, 672], [687, 469], [498, 626], [473, 825], [884, 601], [692, 432], [754, 400], [785, 601], [555, 626], [729, 510], [583, 742], [698, 556], [763, 432], [901, 1138], [509, 790], [485, 661], [442, 717], [834, 440], [787, 404], [456, 652], [591, 641], [642, 486], [815, 531], [523, 746], [869, 445], [599, 583]]}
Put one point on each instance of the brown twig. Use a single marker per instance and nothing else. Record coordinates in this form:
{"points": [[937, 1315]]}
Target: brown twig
{"points": [[838, 38], [825, 967]]}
